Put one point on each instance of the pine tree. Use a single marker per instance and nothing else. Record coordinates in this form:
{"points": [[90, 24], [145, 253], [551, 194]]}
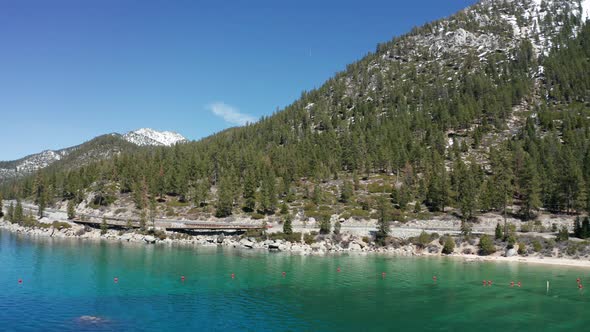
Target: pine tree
{"points": [[467, 190], [249, 194], [325, 224], [10, 213], [268, 196], [317, 195], [448, 246], [284, 208], [346, 192], [498, 233], [287, 225], [382, 222], [577, 228], [104, 227], [18, 211], [486, 245], [71, 209], [40, 194], [530, 189], [225, 199], [585, 228], [502, 182], [143, 220]]}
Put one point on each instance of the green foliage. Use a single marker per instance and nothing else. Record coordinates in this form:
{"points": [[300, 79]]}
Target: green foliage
{"points": [[449, 245], [498, 234], [71, 210], [346, 192], [486, 245], [225, 200], [59, 225], [337, 227], [18, 215], [563, 235], [422, 240], [10, 213], [104, 227], [325, 225], [383, 214], [466, 228], [537, 247], [288, 225]]}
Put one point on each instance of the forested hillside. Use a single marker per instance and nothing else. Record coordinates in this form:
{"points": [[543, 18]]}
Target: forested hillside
{"points": [[487, 110]]}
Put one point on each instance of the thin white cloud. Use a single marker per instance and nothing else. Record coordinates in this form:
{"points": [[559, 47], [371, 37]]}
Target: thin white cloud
{"points": [[230, 114]]}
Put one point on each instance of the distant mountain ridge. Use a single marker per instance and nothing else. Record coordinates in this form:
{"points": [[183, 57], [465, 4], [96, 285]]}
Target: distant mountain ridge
{"points": [[97, 148], [148, 136]]}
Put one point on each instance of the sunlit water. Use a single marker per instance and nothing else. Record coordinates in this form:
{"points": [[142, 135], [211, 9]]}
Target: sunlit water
{"points": [[64, 280]]}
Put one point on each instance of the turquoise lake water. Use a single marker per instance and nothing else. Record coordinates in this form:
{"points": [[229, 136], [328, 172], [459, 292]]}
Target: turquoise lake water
{"points": [[63, 280]]}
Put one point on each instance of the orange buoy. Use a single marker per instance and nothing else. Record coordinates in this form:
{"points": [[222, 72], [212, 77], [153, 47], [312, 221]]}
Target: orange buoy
{"points": [[434, 278], [519, 284], [338, 269], [578, 280], [489, 282], [580, 286], [483, 282], [233, 275], [116, 279], [182, 278], [284, 273], [512, 284], [20, 281]]}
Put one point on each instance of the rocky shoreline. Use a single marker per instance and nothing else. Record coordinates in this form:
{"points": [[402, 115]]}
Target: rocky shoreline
{"points": [[355, 244], [349, 244]]}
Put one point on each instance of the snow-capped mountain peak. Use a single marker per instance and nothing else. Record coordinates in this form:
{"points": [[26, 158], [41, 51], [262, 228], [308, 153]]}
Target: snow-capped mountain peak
{"points": [[148, 136]]}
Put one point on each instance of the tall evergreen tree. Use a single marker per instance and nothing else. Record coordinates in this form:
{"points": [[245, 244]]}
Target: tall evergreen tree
{"points": [[10, 213], [288, 225], [71, 209], [529, 188], [18, 211], [225, 199], [249, 193], [383, 216]]}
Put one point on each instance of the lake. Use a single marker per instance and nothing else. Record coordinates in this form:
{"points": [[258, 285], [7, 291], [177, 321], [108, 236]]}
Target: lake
{"points": [[69, 285]]}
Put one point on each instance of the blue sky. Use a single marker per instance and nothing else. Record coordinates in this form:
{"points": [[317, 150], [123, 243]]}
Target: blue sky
{"points": [[72, 70]]}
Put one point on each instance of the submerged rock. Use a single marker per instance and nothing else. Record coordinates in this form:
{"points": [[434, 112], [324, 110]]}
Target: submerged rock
{"points": [[91, 320]]}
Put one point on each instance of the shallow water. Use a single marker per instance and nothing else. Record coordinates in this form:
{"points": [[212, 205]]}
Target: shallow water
{"points": [[68, 285]]}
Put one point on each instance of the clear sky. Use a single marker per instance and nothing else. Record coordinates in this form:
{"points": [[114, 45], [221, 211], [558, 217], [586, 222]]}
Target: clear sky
{"points": [[72, 70]]}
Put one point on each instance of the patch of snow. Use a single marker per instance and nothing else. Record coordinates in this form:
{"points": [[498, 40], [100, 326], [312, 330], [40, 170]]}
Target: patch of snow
{"points": [[585, 9], [148, 136]]}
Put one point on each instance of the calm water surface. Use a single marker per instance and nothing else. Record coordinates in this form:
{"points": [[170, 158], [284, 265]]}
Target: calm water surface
{"points": [[64, 280]]}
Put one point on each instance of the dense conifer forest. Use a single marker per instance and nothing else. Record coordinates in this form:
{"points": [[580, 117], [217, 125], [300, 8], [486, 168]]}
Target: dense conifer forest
{"points": [[420, 132]]}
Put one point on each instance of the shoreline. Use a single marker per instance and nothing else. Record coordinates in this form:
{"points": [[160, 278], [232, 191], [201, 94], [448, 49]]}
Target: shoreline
{"points": [[322, 248]]}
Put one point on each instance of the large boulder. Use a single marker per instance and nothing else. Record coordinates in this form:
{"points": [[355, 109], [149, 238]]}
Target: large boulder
{"points": [[149, 239], [355, 247], [510, 252], [247, 243]]}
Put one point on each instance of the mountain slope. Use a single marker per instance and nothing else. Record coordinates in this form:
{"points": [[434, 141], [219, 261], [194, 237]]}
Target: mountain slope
{"points": [[98, 148], [486, 110]]}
